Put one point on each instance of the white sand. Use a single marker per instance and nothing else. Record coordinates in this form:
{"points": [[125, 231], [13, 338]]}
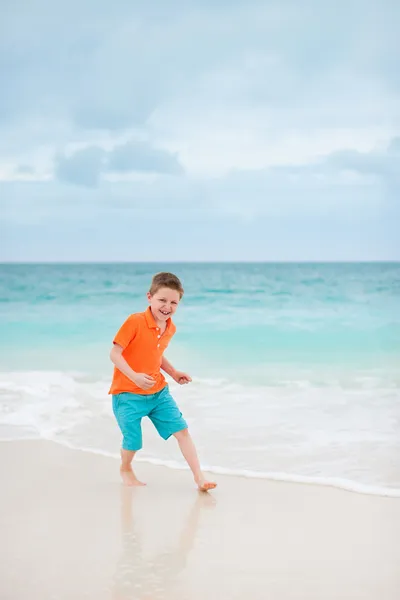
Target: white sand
{"points": [[69, 530]]}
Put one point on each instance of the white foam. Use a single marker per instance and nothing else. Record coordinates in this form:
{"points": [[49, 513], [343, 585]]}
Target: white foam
{"points": [[296, 431]]}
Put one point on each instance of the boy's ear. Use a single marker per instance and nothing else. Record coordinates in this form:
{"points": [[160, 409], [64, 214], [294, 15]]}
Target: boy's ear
{"points": [[148, 296]]}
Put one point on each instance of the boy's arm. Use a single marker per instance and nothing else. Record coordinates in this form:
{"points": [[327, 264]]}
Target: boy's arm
{"points": [[177, 376], [167, 367]]}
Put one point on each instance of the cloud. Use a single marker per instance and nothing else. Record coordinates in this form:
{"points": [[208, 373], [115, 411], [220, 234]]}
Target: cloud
{"points": [[25, 170], [337, 184], [376, 163], [87, 166], [83, 167], [394, 146], [141, 157], [384, 164]]}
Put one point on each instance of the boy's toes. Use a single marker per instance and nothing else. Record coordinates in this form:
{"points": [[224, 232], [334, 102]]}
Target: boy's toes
{"points": [[205, 486]]}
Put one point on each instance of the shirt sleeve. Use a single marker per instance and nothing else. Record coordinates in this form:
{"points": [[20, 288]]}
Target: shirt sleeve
{"points": [[127, 332]]}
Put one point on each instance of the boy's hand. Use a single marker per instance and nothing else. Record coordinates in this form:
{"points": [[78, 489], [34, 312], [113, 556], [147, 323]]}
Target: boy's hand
{"points": [[145, 382], [181, 378]]}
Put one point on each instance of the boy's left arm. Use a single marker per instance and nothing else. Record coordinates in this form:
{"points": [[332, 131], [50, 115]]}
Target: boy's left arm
{"points": [[177, 376]]}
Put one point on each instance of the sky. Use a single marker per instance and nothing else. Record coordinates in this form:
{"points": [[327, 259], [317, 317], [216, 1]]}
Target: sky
{"points": [[201, 130]]}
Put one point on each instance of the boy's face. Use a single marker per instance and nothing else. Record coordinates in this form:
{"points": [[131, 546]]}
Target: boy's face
{"points": [[163, 303]]}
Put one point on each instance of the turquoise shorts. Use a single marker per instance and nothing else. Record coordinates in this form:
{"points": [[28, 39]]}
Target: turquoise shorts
{"points": [[129, 410]]}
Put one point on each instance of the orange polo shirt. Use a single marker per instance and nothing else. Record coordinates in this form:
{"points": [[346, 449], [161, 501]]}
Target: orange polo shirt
{"points": [[143, 346]]}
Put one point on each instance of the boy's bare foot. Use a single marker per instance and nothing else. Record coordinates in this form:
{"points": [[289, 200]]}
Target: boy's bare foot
{"points": [[129, 478], [204, 485]]}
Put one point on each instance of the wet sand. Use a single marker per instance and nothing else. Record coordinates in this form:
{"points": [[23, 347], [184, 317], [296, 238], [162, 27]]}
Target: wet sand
{"points": [[70, 531]]}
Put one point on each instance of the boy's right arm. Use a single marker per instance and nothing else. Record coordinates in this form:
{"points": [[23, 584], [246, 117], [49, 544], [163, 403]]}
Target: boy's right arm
{"points": [[142, 380]]}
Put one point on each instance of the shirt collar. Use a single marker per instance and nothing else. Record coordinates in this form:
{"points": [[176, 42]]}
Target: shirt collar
{"points": [[151, 322]]}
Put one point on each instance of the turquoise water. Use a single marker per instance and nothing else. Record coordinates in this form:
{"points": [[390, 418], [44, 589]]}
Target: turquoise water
{"points": [[283, 356], [233, 315]]}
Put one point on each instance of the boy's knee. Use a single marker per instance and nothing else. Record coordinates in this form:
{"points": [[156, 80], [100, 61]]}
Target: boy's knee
{"points": [[182, 434]]}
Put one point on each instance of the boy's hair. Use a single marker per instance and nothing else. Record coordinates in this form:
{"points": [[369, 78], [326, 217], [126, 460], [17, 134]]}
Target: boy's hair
{"points": [[166, 280]]}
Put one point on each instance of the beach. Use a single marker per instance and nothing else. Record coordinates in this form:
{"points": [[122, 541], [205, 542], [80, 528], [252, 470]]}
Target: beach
{"points": [[70, 530], [294, 410]]}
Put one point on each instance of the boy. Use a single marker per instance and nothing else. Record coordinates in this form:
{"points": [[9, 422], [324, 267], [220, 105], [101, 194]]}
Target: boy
{"points": [[139, 389]]}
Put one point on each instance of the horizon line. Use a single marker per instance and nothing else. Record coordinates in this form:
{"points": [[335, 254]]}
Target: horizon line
{"points": [[179, 262]]}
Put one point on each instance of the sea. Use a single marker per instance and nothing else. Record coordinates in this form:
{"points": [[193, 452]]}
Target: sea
{"points": [[295, 366]]}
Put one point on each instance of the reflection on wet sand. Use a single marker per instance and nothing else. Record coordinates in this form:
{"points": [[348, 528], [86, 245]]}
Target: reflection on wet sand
{"points": [[141, 578]]}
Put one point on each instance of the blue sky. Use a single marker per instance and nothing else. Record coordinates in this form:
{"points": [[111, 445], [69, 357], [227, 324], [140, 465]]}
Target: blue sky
{"points": [[199, 130]]}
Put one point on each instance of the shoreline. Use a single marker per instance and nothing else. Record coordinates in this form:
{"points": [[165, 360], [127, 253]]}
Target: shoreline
{"points": [[334, 483], [74, 531]]}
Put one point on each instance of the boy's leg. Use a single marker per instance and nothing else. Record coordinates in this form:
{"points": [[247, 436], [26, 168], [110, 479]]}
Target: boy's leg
{"points": [[127, 474], [168, 421], [129, 411], [189, 452]]}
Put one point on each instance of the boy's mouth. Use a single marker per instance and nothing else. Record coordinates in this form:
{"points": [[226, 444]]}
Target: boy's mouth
{"points": [[165, 313]]}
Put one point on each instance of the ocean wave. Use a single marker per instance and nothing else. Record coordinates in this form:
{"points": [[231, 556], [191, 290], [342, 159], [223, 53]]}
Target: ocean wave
{"points": [[318, 428]]}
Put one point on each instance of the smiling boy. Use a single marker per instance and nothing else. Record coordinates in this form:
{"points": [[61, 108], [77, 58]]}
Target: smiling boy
{"points": [[139, 389]]}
